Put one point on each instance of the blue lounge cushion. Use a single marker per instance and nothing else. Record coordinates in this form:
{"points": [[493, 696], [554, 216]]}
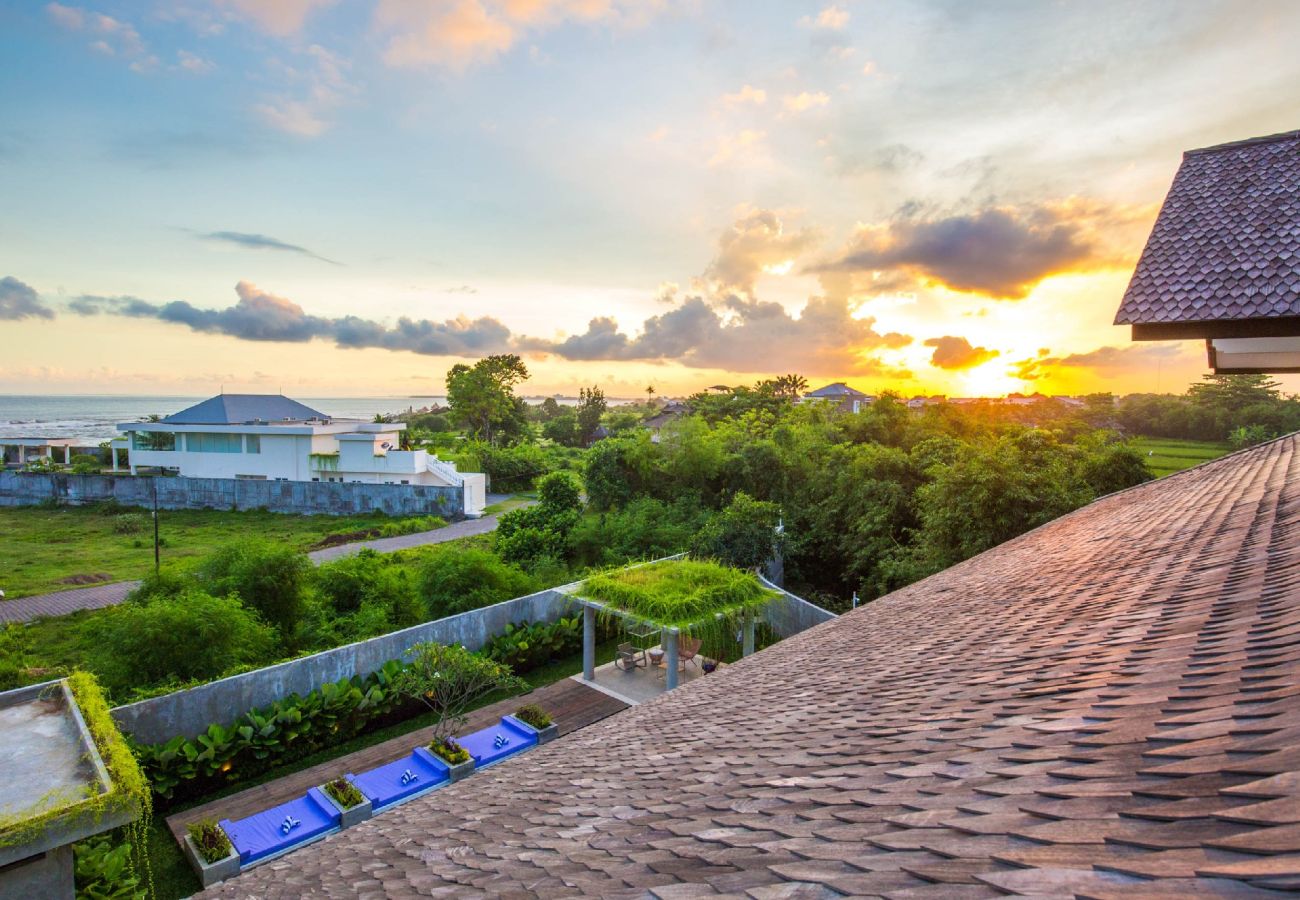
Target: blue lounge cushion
{"points": [[281, 827], [496, 742], [402, 778]]}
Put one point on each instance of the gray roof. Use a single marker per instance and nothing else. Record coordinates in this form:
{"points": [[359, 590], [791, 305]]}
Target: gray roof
{"points": [[237, 409], [1226, 246], [838, 389]]}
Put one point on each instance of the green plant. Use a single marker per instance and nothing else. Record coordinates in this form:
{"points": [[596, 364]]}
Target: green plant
{"points": [[211, 841], [524, 646], [449, 679], [447, 749], [85, 464], [744, 534], [103, 870], [268, 578], [344, 793], [534, 715], [455, 580], [129, 523], [678, 593]]}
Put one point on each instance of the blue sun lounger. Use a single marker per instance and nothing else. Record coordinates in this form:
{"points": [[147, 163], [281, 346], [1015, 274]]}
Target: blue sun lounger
{"points": [[401, 779], [496, 742], [277, 830]]}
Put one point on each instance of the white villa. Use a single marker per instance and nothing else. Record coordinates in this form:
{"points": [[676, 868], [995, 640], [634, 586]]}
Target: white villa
{"points": [[268, 437]]}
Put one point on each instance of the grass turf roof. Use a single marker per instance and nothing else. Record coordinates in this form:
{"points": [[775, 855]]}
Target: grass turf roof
{"points": [[677, 593]]}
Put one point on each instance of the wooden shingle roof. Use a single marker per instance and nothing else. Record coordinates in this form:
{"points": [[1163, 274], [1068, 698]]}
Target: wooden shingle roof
{"points": [[1108, 706], [1226, 245]]}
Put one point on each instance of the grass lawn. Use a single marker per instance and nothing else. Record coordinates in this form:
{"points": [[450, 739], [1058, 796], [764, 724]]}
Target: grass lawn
{"points": [[173, 877], [1164, 456], [54, 549]]}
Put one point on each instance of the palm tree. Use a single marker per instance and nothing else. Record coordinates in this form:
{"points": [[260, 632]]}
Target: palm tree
{"points": [[650, 394]]}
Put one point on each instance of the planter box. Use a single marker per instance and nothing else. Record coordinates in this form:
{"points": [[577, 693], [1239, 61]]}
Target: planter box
{"points": [[211, 873], [354, 815], [458, 771], [544, 735]]}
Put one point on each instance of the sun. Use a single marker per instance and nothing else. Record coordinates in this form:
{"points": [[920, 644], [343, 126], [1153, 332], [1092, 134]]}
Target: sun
{"points": [[990, 380]]}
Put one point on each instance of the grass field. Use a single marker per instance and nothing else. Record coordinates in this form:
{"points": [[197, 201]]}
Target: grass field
{"points": [[57, 549], [1165, 456]]}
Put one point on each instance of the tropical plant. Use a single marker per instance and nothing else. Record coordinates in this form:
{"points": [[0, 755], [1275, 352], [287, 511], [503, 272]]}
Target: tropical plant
{"points": [[450, 751], [344, 792], [103, 870], [524, 646], [447, 679], [212, 843], [534, 715]]}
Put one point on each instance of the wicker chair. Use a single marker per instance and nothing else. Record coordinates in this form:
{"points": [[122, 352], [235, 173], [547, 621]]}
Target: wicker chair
{"points": [[629, 657], [687, 649]]}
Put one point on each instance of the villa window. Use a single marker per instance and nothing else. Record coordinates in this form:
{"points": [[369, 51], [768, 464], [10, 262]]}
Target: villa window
{"points": [[153, 440], [200, 442], [252, 443]]}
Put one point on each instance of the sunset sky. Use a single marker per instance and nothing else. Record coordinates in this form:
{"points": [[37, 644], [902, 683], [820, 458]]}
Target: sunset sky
{"points": [[347, 198]]}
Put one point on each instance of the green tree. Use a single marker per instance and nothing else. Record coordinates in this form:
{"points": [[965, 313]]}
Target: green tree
{"points": [[268, 578], [450, 680], [607, 475], [591, 406], [563, 429], [455, 580], [482, 397], [530, 535], [743, 534]]}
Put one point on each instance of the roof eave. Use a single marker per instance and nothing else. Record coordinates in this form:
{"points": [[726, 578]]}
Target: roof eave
{"points": [[1271, 326]]}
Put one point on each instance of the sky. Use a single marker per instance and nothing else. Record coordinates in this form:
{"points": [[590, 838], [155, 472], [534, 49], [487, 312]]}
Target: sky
{"points": [[329, 197]]}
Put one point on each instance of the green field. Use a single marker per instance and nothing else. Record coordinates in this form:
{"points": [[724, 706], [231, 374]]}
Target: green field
{"points": [[57, 549], [1165, 456]]}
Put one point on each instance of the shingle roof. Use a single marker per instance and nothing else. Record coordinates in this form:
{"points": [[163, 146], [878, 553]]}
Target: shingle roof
{"points": [[838, 389], [236, 409], [1108, 706], [1226, 244]]}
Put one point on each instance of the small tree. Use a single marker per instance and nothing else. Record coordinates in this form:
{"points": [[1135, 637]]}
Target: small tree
{"points": [[591, 406], [449, 680]]}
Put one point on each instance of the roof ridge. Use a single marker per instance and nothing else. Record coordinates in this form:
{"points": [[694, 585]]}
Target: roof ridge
{"points": [[1247, 142]]}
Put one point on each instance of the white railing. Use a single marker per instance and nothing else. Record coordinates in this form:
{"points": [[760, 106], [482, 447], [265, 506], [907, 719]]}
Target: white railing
{"points": [[445, 470]]}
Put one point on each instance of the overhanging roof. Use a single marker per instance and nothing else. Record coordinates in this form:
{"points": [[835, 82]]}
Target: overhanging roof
{"points": [[1223, 259], [1107, 706], [239, 409]]}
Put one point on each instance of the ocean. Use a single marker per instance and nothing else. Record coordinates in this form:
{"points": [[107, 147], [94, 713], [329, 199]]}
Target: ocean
{"points": [[91, 418]]}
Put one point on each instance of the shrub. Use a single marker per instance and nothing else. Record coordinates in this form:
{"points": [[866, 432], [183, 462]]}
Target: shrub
{"points": [[448, 679], [525, 646], [130, 523], [643, 529], [741, 535], [211, 841], [514, 468], [448, 750], [345, 793], [533, 715], [559, 491], [454, 581], [103, 870], [268, 578], [164, 583], [190, 636], [85, 464]]}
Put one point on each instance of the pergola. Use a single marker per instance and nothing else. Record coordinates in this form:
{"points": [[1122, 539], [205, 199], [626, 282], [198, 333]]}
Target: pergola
{"points": [[670, 634]]}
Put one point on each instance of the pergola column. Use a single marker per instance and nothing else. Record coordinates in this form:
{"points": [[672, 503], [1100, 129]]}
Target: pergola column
{"points": [[588, 643], [670, 656], [747, 648], [67, 454], [22, 454]]}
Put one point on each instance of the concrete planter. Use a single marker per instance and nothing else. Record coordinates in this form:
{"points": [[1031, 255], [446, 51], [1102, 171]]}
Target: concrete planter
{"points": [[211, 873], [455, 772], [544, 735], [353, 815]]}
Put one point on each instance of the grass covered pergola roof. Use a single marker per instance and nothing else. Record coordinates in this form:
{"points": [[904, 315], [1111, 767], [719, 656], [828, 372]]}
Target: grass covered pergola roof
{"points": [[677, 593]]}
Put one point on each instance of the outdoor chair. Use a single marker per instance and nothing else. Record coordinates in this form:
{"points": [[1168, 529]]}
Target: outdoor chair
{"points": [[629, 657], [686, 651]]}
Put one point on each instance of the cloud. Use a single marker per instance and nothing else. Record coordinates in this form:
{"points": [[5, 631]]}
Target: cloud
{"points": [[1105, 360], [999, 252], [746, 95], [957, 353], [278, 17], [19, 301], [744, 146], [804, 101], [262, 316], [832, 17], [194, 64], [461, 289], [261, 242], [110, 36], [740, 335], [458, 34], [317, 90], [756, 242], [890, 159]]}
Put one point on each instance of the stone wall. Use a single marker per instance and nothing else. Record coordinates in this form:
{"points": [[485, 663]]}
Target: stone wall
{"points": [[303, 497], [191, 711]]}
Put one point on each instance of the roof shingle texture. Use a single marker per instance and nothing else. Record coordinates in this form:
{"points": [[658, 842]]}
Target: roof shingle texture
{"points": [[1108, 706], [1226, 244], [237, 409]]}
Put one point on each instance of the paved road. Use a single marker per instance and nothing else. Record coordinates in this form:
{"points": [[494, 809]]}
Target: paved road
{"points": [[60, 603]]}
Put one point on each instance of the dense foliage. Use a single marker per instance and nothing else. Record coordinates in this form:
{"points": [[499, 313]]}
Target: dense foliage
{"points": [[458, 579], [524, 646], [449, 679], [211, 841], [680, 592]]}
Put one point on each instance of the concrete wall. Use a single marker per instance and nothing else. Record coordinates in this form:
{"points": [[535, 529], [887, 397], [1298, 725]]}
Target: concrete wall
{"points": [[791, 615], [303, 497], [189, 712]]}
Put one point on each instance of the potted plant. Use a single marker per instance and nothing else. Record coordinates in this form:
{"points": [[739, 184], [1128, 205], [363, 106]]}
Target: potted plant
{"points": [[210, 852], [354, 807], [448, 679], [539, 720], [459, 762]]}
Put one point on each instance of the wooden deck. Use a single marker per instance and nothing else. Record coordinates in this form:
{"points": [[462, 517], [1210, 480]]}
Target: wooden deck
{"points": [[571, 704]]}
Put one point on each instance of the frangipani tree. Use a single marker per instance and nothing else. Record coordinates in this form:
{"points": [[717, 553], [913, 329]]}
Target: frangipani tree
{"points": [[449, 680]]}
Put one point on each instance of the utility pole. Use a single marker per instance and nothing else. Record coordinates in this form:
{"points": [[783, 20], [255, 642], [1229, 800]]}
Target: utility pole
{"points": [[155, 525]]}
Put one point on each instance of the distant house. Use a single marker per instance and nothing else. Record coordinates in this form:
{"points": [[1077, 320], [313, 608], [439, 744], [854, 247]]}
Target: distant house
{"points": [[269, 437], [17, 451], [1223, 260], [671, 412], [845, 398], [921, 402]]}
